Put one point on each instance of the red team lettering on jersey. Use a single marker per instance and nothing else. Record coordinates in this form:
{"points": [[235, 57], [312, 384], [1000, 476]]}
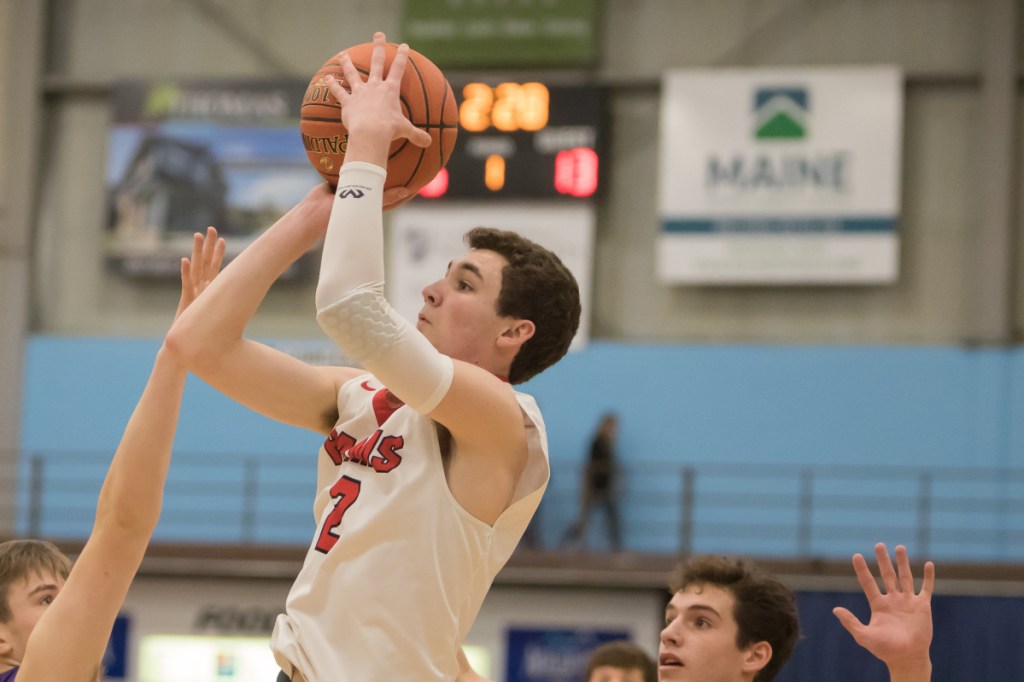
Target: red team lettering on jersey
{"points": [[378, 452]]}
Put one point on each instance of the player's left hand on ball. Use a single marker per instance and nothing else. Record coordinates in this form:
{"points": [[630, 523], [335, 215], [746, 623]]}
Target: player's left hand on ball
{"points": [[396, 196]]}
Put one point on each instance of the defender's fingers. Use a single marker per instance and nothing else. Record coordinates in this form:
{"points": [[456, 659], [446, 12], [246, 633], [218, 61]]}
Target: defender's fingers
{"points": [[196, 267], [903, 574], [848, 621], [377, 57], [209, 244], [885, 569], [186, 274], [928, 584], [864, 577], [218, 258]]}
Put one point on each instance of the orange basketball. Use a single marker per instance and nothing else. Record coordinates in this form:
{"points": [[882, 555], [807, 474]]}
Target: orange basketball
{"points": [[427, 101]]}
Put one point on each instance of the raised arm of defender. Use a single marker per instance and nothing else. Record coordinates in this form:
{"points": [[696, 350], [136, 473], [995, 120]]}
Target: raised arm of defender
{"points": [[899, 632], [78, 623]]}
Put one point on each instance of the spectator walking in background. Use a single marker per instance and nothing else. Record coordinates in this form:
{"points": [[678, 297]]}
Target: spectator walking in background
{"points": [[599, 486]]}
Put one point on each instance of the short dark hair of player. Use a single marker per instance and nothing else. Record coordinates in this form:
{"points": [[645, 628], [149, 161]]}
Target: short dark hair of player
{"points": [[624, 655], [535, 286], [19, 559], [765, 608]]}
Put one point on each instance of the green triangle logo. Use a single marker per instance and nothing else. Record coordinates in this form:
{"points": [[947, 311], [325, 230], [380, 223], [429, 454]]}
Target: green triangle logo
{"points": [[161, 100], [781, 127]]}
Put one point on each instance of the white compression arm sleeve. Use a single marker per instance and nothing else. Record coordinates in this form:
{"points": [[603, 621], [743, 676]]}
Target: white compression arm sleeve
{"points": [[350, 302]]}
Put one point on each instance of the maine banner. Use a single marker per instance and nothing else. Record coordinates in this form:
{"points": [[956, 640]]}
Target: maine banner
{"points": [[780, 176]]}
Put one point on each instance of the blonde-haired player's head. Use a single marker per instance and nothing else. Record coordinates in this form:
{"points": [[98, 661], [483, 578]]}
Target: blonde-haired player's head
{"points": [[32, 573]]}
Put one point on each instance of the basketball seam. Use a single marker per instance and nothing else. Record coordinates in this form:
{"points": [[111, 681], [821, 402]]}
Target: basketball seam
{"points": [[440, 145], [426, 107], [331, 119]]}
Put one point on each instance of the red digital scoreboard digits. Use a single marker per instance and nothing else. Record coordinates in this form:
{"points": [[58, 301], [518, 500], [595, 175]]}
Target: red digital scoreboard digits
{"points": [[523, 140], [576, 171]]}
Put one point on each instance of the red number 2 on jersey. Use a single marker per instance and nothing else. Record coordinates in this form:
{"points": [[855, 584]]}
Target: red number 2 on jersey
{"points": [[345, 491]]}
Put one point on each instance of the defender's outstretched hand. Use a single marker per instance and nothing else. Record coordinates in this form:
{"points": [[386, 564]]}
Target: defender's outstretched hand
{"points": [[197, 272], [79, 622], [900, 630]]}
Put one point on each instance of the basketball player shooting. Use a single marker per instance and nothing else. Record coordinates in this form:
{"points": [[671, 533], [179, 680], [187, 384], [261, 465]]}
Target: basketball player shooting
{"points": [[432, 464]]}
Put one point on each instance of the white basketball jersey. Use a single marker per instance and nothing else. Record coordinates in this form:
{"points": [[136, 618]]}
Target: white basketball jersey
{"points": [[397, 570]]}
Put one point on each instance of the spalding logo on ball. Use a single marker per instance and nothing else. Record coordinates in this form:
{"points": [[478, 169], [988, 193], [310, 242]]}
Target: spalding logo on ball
{"points": [[427, 101]]}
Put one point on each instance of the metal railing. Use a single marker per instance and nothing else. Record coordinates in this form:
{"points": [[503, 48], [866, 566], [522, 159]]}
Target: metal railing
{"points": [[970, 514], [807, 511]]}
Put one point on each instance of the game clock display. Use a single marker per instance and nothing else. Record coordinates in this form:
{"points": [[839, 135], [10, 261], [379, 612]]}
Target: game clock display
{"points": [[524, 139]]}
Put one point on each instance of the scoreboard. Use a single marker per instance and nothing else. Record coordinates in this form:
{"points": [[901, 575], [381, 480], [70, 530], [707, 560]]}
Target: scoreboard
{"points": [[522, 140]]}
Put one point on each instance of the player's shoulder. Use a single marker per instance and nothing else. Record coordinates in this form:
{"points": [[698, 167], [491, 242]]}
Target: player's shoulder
{"points": [[345, 377], [526, 400], [530, 409]]}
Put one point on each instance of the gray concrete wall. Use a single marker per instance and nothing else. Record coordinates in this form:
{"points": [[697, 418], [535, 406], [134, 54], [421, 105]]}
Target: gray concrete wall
{"points": [[943, 45], [21, 33]]}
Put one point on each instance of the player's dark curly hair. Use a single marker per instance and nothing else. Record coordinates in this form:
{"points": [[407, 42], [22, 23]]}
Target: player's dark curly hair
{"points": [[535, 286], [765, 608]]}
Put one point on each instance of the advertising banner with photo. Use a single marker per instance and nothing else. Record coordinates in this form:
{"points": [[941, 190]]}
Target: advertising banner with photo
{"points": [[186, 155], [423, 240], [771, 176]]}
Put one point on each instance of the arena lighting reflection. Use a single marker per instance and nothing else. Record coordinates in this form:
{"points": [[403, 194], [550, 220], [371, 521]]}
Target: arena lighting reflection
{"points": [[198, 658], [201, 658]]}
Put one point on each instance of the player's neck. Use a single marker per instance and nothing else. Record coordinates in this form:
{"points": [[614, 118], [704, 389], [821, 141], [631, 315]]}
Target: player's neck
{"points": [[497, 365]]}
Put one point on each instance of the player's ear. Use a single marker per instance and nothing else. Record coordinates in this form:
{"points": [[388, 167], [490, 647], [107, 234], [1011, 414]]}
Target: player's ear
{"points": [[517, 333], [756, 656]]}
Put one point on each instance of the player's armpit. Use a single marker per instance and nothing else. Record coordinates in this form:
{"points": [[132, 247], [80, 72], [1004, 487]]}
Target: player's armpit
{"points": [[490, 446], [480, 408]]}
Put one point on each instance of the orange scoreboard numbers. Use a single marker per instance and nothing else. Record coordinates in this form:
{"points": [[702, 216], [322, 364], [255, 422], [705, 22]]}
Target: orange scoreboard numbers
{"points": [[507, 107], [524, 140]]}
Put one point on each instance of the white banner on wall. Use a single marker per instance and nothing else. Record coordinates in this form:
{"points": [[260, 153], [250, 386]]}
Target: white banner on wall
{"points": [[780, 176], [423, 240]]}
